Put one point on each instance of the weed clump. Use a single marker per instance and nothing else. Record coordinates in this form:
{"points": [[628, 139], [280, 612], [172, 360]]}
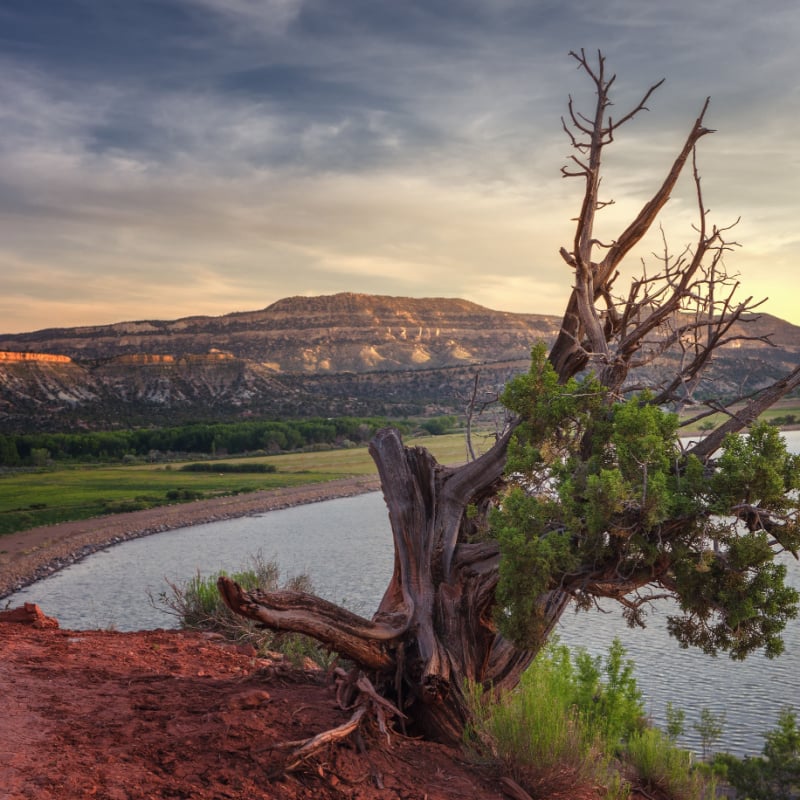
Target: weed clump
{"points": [[579, 720], [197, 604]]}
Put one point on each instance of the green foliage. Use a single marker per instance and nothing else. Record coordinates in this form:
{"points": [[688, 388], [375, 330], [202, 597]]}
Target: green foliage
{"points": [[272, 436], [535, 530], [534, 549], [755, 471], [661, 766], [579, 718], [9, 456], [39, 456], [596, 699], [607, 694], [756, 482], [776, 774], [709, 727], [536, 731], [437, 426], [676, 722], [602, 501], [183, 495]]}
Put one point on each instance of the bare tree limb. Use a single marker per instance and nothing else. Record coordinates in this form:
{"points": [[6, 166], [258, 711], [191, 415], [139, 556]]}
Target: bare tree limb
{"points": [[705, 448]]}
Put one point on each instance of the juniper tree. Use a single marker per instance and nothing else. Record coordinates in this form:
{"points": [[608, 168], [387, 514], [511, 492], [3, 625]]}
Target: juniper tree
{"points": [[588, 493]]}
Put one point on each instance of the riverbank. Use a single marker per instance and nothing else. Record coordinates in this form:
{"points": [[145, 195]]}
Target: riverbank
{"points": [[30, 555]]}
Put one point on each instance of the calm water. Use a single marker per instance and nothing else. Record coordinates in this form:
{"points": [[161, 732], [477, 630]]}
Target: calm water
{"points": [[345, 545]]}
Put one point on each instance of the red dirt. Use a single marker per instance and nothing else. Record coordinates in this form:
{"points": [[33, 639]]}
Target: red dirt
{"points": [[168, 714], [171, 714]]}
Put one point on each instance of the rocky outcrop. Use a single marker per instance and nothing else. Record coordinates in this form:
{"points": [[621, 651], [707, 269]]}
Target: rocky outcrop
{"points": [[45, 358]]}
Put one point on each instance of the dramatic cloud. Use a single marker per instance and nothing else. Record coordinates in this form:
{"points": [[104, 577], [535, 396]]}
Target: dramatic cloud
{"points": [[202, 156]]}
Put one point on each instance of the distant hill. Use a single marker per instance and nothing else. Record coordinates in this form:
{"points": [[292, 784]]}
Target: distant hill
{"points": [[330, 355]]}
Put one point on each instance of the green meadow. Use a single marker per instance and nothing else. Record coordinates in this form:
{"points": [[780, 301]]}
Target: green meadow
{"points": [[57, 494], [47, 496]]}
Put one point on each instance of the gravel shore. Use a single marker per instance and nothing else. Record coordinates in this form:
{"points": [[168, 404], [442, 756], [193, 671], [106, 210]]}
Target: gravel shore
{"points": [[28, 556]]}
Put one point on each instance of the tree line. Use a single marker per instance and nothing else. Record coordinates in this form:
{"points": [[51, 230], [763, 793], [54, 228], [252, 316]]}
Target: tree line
{"points": [[35, 449]]}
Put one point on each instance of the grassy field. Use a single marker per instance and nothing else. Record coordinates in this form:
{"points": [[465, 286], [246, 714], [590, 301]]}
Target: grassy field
{"points": [[44, 497]]}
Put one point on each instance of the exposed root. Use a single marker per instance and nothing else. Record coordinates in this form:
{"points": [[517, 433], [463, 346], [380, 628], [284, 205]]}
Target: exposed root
{"points": [[353, 691], [513, 790], [311, 746]]}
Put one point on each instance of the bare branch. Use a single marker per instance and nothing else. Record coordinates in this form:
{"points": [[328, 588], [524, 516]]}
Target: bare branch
{"points": [[711, 443]]}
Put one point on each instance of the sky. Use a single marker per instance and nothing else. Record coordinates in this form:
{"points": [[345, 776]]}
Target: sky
{"points": [[167, 158]]}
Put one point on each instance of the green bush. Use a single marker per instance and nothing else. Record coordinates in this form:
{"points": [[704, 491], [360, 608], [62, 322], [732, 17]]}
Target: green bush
{"points": [[608, 697], [535, 732], [183, 495], [566, 717], [709, 727], [776, 774], [222, 466], [663, 767], [437, 426], [131, 504], [579, 718]]}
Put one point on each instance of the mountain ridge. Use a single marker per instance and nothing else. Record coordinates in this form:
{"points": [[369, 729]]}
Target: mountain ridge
{"points": [[346, 353]]}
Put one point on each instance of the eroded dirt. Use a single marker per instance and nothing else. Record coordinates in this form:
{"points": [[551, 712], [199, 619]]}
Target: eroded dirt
{"points": [[167, 714]]}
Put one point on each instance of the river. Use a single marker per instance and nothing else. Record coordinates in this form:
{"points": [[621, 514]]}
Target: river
{"points": [[345, 546]]}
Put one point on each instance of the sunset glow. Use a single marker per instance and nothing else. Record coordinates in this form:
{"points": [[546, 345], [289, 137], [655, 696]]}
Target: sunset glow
{"points": [[183, 157]]}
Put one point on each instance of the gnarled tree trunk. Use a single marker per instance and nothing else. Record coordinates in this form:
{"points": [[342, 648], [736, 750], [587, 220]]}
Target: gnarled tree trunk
{"points": [[434, 627]]}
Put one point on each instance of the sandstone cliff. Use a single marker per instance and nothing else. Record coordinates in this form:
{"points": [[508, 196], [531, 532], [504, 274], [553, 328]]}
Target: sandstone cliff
{"points": [[336, 354]]}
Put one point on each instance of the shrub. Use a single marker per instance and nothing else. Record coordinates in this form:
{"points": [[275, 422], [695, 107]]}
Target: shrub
{"points": [[776, 774], [130, 504], [437, 426], [183, 495], [676, 722], [544, 732], [198, 606], [663, 767], [710, 727], [574, 720], [608, 697], [222, 466]]}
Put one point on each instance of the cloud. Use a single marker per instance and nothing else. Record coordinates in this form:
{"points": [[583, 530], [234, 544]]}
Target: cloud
{"points": [[192, 156]]}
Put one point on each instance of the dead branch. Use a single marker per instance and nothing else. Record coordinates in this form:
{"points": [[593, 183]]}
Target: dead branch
{"points": [[705, 448], [299, 612], [582, 334]]}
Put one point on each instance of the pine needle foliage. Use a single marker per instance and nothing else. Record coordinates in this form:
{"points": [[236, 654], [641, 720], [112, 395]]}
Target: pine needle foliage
{"points": [[603, 500]]}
